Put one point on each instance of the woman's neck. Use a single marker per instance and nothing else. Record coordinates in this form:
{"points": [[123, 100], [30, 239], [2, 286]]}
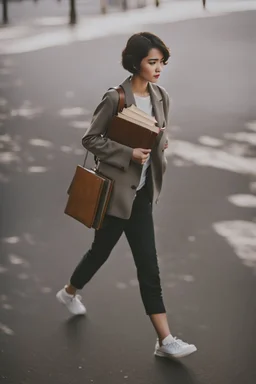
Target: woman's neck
{"points": [[139, 86]]}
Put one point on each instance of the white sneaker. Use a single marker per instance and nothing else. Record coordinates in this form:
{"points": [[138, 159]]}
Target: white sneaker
{"points": [[72, 302], [173, 347]]}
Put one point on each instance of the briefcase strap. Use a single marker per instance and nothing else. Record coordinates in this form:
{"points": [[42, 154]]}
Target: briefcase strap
{"points": [[121, 105], [86, 156]]}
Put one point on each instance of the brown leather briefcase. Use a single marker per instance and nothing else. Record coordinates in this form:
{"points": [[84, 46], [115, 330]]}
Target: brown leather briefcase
{"points": [[90, 191], [89, 195]]}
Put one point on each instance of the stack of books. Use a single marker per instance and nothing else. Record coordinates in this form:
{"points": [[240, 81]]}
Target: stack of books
{"points": [[134, 128]]}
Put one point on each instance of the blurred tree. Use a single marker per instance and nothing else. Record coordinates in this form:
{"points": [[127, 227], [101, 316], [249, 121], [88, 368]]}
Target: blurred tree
{"points": [[5, 11], [204, 3], [103, 6], [124, 5], [157, 3], [73, 12]]}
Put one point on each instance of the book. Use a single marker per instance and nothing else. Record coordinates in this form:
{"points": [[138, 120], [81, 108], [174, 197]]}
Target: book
{"points": [[134, 111], [134, 128]]}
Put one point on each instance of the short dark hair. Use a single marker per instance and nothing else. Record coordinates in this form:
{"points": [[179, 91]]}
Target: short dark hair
{"points": [[138, 47]]}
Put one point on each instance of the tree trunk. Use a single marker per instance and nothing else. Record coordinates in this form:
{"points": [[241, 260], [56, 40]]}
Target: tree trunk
{"points": [[157, 3], [204, 3], [124, 5], [5, 11], [103, 6], [72, 12]]}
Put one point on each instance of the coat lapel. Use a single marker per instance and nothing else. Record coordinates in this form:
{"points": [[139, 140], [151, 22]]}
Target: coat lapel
{"points": [[157, 103], [156, 99], [129, 98]]}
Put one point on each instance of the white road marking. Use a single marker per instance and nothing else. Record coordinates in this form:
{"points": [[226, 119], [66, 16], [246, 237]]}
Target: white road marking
{"points": [[15, 260], [71, 112], [210, 141], [37, 169], [11, 240], [242, 136], [41, 143], [241, 235], [211, 157], [5, 329], [248, 201]]}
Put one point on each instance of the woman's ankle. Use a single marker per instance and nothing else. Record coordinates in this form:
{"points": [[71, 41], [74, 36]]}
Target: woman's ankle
{"points": [[169, 337], [70, 289]]}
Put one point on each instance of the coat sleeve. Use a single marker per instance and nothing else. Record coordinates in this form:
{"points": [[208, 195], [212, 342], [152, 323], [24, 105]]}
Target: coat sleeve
{"points": [[108, 151]]}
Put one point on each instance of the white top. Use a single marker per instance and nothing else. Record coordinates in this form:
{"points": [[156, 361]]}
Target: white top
{"points": [[144, 103]]}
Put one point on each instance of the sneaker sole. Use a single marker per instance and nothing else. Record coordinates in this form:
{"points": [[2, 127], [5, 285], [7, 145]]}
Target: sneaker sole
{"points": [[178, 355], [61, 301]]}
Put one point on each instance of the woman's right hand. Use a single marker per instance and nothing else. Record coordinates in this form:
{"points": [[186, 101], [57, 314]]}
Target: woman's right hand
{"points": [[140, 155]]}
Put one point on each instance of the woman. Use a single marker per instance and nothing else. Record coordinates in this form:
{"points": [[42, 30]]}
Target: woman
{"points": [[138, 174]]}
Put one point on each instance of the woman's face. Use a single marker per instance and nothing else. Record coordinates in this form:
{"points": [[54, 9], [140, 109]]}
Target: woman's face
{"points": [[152, 66]]}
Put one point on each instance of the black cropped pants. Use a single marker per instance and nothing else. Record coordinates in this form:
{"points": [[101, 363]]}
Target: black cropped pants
{"points": [[139, 231]]}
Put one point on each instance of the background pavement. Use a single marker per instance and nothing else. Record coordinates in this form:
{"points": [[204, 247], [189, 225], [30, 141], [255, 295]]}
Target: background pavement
{"points": [[205, 221]]}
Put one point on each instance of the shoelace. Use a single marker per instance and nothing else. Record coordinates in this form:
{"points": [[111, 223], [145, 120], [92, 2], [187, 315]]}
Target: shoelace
{"points": [[175, 339], [179, 341], [176, 343], [78, 297]]}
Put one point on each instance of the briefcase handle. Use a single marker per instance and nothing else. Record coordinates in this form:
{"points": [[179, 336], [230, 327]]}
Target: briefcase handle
{"points": [[121, 105]]}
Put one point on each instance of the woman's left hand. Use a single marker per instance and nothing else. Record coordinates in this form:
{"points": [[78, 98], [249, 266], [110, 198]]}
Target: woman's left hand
{"points": [[166, 145]]}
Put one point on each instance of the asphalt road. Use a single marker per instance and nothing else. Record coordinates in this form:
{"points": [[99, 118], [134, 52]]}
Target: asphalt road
{"points": [[209, 281]]}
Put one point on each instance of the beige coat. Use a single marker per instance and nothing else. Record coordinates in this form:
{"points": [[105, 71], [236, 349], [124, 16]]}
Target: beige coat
{"points": [[116, 159]]}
